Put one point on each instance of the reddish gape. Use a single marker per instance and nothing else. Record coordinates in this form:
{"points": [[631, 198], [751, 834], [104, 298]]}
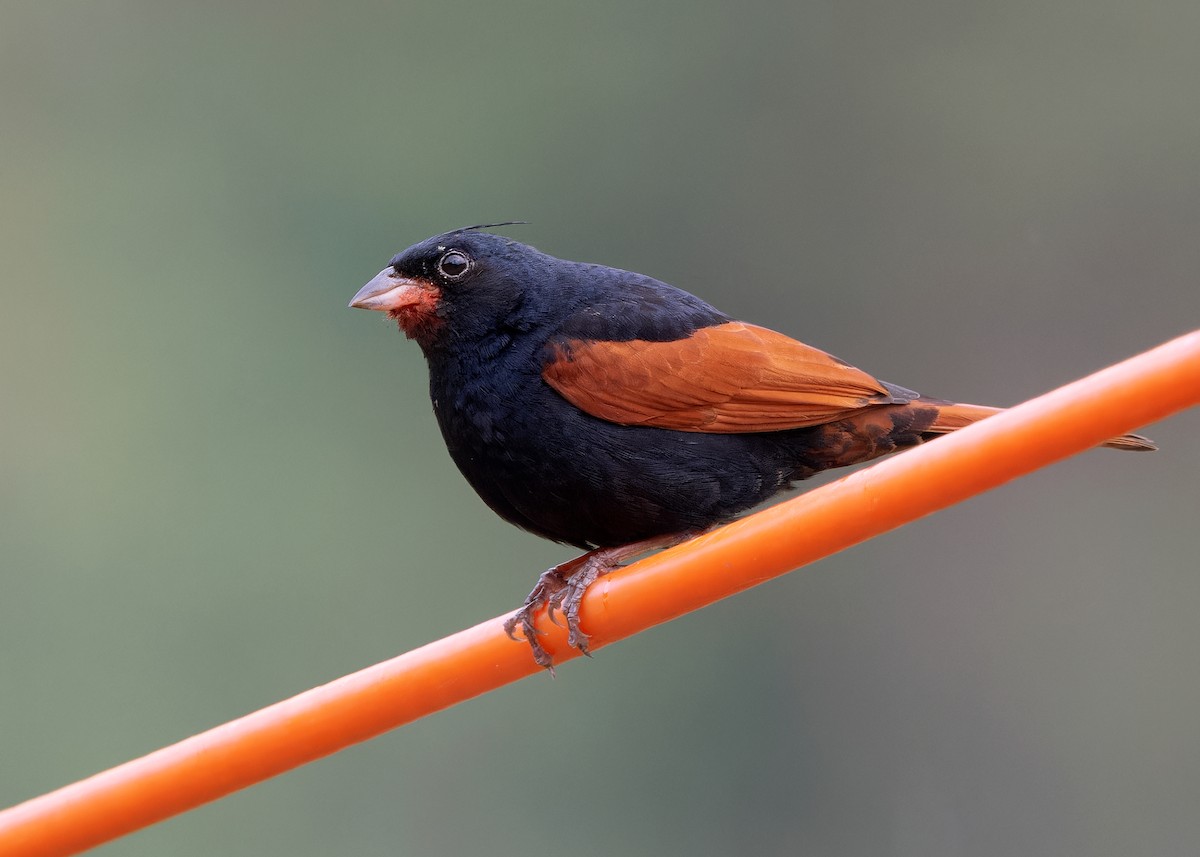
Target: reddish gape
{"points": [[411, 302], [607, 410]]}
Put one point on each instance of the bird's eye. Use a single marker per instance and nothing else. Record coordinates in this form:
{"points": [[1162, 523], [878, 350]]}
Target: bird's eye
{"points": [[453, 264]]}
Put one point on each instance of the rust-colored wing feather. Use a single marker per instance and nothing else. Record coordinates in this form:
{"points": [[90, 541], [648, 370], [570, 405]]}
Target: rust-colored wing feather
{"points": [[731, 377]]}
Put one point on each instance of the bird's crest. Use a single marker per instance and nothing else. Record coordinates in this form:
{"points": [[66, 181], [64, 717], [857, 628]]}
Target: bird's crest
{"points": [[491, 225]]}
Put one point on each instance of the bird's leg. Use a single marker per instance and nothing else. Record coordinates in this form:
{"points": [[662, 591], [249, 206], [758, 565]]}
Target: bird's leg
{"points": [[561, 588]]}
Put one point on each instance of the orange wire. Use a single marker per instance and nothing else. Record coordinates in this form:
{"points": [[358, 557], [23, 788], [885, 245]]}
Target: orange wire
{"points": [[329, 718]]}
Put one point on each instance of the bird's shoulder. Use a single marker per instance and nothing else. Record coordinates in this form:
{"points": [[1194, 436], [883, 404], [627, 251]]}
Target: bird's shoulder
{"points": [[623, 306]]}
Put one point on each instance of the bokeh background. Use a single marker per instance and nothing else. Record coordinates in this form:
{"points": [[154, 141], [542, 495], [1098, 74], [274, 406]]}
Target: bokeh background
{"points": [[219, 486]]}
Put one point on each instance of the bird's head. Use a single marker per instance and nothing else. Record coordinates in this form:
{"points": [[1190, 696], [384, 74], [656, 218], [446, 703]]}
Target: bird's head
{"points": [[456, 285]]}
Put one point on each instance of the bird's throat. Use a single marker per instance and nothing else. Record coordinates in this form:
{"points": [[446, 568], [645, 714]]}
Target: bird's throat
{"points": [[419, 320]]}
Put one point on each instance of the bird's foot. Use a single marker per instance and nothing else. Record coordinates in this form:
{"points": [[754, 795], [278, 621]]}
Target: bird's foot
{"points": [[594, 566], [551, 583], [561, 590]]}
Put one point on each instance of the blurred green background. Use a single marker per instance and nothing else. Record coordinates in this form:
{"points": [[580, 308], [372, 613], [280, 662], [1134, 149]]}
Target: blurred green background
{"points": [[219, 486]]}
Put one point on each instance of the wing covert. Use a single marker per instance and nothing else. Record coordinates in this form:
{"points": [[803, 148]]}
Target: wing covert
{"points": [[731, 377]]}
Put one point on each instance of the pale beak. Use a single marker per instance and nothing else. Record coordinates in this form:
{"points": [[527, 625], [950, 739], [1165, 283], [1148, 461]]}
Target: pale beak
{"points": [[390, 291]]}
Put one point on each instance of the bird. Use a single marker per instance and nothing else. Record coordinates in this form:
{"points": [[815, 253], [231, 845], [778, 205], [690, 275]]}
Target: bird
{"points": [[612, 412]]}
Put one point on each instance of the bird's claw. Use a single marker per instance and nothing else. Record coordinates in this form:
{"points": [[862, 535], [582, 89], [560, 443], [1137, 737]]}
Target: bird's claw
{"points": [[548, 591], [552, 610], [561, 590], [524, 618]]}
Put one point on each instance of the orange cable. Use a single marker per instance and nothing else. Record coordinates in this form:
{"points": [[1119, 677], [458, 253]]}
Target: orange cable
{"points": [[364, 704]]}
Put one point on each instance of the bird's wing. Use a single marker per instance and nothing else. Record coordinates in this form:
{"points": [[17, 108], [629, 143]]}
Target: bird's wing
{"points": [[730, 377]]}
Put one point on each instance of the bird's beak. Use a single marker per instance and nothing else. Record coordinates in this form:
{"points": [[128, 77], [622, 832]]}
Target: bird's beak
{"points": [[390, 292]]}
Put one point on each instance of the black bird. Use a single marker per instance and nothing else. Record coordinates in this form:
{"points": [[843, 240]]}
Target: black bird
{"points": [[610, 411]]}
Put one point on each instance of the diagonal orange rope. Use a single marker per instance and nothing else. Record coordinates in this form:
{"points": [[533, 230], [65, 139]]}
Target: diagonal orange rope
{"points": [[329, 718]]}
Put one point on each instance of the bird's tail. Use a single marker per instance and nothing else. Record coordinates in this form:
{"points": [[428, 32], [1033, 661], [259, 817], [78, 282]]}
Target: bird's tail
{"points": [[952, 416]]}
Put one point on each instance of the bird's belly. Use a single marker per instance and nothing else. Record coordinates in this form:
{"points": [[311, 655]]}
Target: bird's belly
{"points": [[552, 469]]}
